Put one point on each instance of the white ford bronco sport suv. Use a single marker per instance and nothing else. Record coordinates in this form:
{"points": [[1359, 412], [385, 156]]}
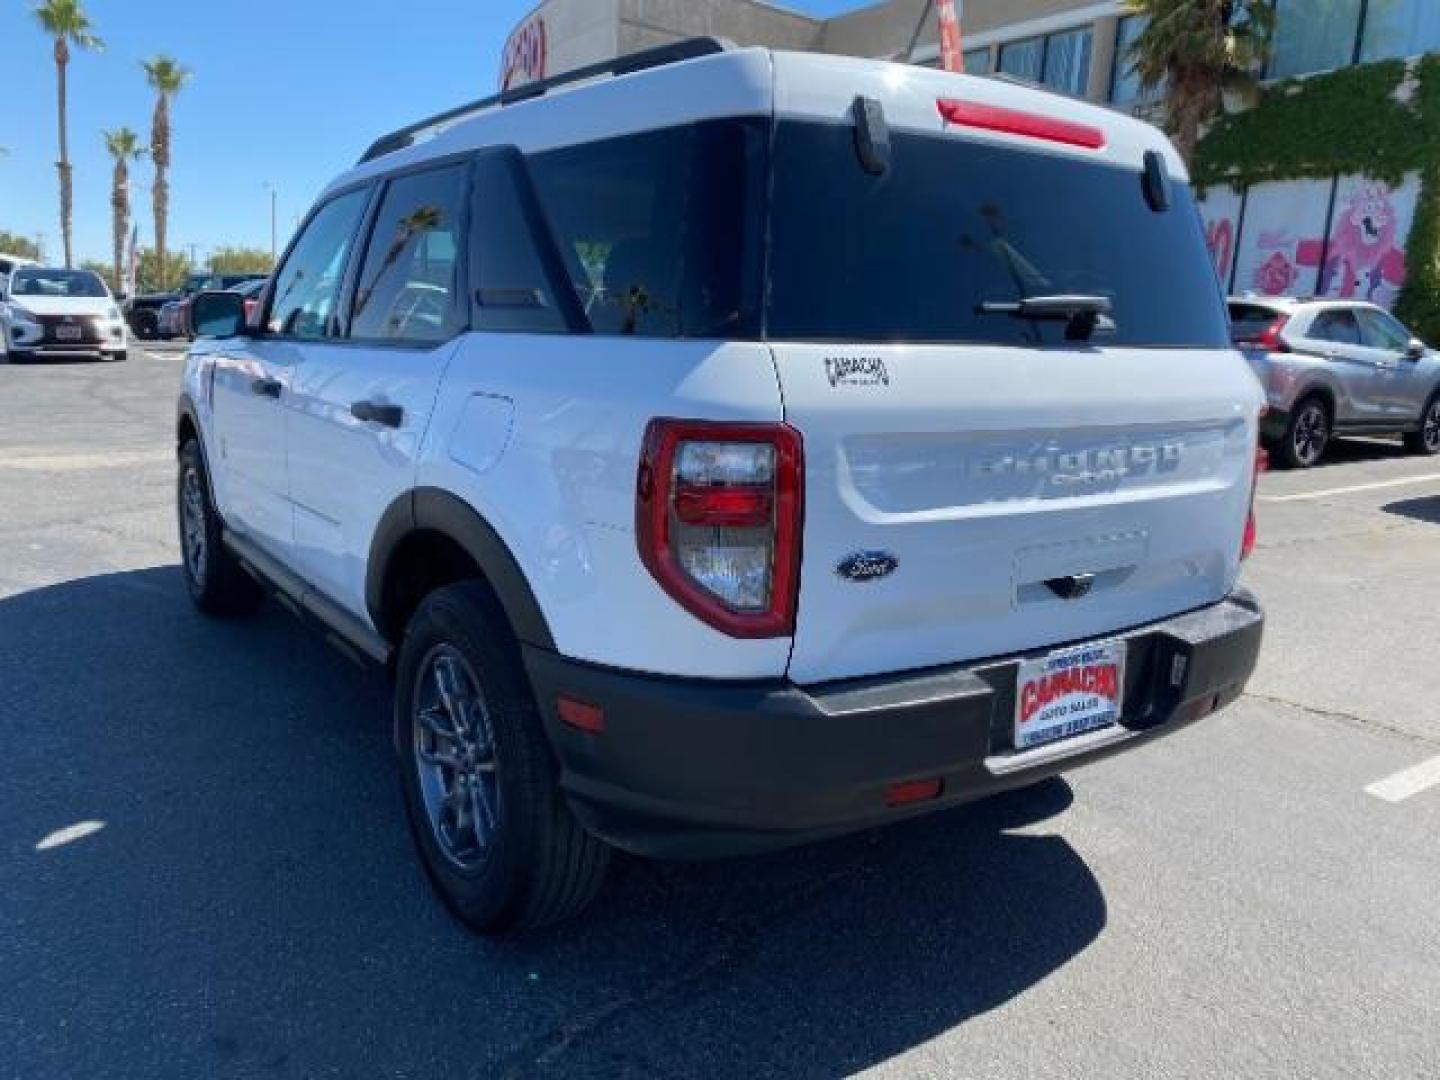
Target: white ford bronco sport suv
{"points": [[726, 449]]}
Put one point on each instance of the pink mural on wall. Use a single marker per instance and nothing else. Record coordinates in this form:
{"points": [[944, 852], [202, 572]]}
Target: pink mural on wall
{"points": [[1280, 246], [1220, 216], [1366, 257], [1283, 245]]}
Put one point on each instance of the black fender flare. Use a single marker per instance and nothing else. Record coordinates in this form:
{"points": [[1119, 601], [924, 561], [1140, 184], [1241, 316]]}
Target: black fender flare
{"points": [[434, 510], [185, 410]]}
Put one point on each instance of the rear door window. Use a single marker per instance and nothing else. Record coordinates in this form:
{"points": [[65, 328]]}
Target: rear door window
{"points": [[911, 255], [409, 285], [1336, 325]]}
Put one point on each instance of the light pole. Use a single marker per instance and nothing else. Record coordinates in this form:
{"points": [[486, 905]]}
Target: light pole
{"points": [[274, 198]]}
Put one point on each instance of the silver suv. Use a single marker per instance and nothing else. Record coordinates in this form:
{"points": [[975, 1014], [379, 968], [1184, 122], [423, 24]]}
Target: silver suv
{"points": [[1337, 367]]}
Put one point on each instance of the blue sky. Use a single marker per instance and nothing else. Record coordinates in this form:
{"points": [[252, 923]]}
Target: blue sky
{"points": [[287, 92]]}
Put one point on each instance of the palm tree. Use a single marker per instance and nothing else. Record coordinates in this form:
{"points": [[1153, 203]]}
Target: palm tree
{"points": [[66, 22], [166, 77], [124, 146], [1200, 49]]}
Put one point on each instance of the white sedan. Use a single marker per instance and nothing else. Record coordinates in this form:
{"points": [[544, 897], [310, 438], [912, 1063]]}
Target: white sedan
{"points": [[66, 314]]}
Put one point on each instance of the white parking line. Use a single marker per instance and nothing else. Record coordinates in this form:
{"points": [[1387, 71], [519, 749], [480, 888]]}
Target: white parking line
{"points": [[1407, 782], [1379, 484], [82, 462]]}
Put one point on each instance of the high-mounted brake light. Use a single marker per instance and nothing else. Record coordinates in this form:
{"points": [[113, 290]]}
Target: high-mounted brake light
{"points": [[1014, 122], [717, 520]]}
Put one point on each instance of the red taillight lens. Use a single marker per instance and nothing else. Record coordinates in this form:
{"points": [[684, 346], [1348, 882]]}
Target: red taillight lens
{"points": [[718, 510], [725, 507], [1252, 531], [1270, 339], [1014, 122]]}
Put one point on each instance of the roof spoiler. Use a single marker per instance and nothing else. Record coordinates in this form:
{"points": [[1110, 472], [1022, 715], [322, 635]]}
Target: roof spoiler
{"points": [[680, 51]]}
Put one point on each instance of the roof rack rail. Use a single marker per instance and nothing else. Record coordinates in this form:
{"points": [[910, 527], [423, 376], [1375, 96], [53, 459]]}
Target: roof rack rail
{"points": [[689, 49]]}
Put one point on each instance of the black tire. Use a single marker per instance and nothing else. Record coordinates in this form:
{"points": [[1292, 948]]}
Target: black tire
{"points": [[1426, 441], [146, 325], [217, 583], [1307, 434], [120, 357], [536, 865]]}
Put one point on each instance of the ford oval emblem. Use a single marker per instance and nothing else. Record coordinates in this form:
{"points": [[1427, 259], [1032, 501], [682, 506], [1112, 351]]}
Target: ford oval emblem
{"points": [[867, 566]]}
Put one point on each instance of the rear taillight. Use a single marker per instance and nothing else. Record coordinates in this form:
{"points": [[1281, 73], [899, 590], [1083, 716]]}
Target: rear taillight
{"points": [[1252, 532], [717, 518], [1270, 339]]}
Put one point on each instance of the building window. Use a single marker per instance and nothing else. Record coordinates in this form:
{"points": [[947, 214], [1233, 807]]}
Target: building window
{"points": [[1059, 61], [1023, 59], [1313, 37], [1125, 88], [1398, 28], [977, 61]]}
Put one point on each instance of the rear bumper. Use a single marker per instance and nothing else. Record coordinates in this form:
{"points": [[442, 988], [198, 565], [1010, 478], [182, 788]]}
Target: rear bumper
{"points": [[695, 769], [47, 350]]}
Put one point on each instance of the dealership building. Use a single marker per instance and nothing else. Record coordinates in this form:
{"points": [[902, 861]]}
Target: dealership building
{"points": [[1313, 191]]}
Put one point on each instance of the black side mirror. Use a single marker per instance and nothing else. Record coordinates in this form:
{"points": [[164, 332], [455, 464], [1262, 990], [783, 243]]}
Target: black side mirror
{"points": [[217, 314], [1415, 350]]}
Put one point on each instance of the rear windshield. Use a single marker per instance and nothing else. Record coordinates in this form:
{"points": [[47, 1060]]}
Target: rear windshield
{"points": [[731, 229], [912, 254], [1249, 321]]}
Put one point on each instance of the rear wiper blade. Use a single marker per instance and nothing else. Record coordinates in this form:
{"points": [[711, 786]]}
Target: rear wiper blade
{"points": [[1057, 308], [1082, 315]]}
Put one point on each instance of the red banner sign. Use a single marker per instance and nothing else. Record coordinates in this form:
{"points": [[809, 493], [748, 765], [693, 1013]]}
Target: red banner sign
{"points": [[525, 57], [951, 53]]}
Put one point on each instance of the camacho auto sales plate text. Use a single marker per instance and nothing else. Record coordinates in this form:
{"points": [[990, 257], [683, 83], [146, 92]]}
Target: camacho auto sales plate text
{"points": [[1069, 692]]}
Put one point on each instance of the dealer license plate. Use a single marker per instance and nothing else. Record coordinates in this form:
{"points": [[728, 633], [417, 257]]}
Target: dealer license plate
{"points": [[1069, 692], [69, 333]]}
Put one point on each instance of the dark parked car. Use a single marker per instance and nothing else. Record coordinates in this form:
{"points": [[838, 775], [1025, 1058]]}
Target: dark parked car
{"points": [[159, 315]]}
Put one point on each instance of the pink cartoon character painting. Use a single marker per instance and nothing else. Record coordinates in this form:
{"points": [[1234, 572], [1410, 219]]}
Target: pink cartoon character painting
{"points": [[1364, 259], [1275, 275]]}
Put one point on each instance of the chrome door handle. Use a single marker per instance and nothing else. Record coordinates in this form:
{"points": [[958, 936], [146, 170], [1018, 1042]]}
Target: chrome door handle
{"points": [[372, 412], [271, 388]]}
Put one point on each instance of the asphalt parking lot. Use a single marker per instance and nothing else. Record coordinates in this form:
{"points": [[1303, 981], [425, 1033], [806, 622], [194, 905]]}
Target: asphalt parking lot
{"points": [[1255, 897]]}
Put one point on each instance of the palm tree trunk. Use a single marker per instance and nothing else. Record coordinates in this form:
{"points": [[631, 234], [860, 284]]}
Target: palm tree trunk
{"points": [[1194, 98], [160, 193], [120, 205], [62, 58]]}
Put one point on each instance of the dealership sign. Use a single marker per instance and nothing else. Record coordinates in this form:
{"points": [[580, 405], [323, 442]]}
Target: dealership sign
{"points": [[524, 58]]}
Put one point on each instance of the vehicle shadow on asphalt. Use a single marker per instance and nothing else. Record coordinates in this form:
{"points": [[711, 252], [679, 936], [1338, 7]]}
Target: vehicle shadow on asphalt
{"points": [[1425, 509], [1355, 450], [252, 903]]}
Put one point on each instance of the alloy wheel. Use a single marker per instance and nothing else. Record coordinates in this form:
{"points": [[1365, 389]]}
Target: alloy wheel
{"points": [[1430, 427], [192, 526], [1311, 434], [454, 756]]}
